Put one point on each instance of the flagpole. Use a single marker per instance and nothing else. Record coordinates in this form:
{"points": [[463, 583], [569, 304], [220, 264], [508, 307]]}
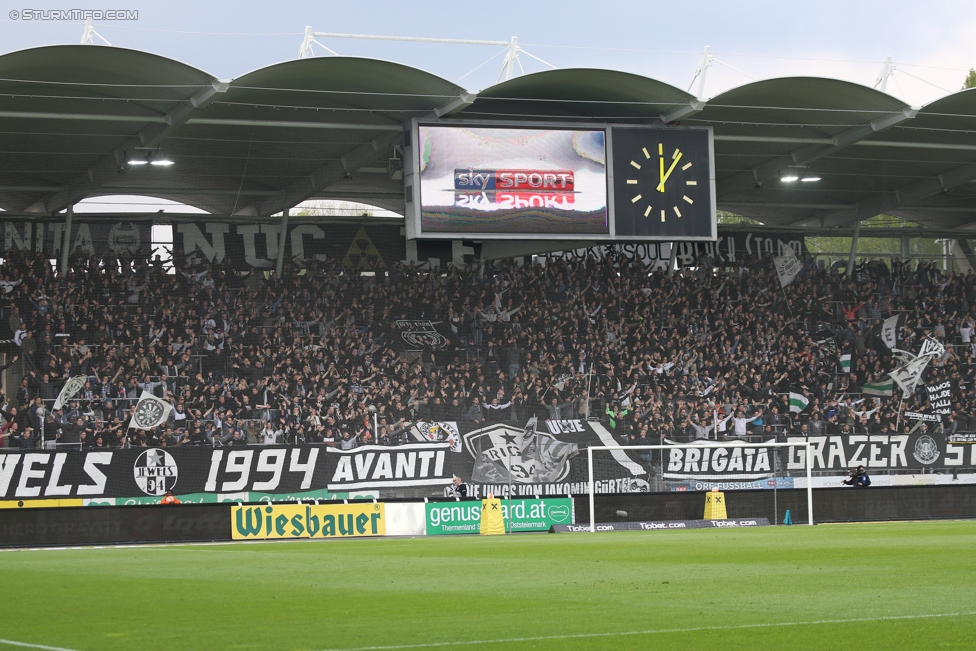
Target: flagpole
{"points": [[898, 421], [589, 376]]}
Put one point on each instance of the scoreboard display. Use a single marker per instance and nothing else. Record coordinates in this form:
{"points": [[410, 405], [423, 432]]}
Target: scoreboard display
{"points": [[520, 181]]}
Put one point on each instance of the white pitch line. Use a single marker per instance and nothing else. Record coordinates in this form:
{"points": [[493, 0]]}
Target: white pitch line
{"points": [[34, 646], [659, 631]]}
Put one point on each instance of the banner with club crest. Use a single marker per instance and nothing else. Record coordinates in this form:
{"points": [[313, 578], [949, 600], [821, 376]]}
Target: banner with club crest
{"points": [[505, 459]]}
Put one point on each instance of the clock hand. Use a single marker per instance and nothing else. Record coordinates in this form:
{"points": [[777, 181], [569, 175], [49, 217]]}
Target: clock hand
{"points": [[664, 176]]}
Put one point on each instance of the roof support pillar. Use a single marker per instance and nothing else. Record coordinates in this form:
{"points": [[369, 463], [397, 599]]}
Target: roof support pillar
{"points": [[66, 240], [850, 258], [280, 262]]}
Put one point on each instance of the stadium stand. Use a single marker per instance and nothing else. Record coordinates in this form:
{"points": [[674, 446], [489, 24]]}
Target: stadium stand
{"points": [[248, 358]]}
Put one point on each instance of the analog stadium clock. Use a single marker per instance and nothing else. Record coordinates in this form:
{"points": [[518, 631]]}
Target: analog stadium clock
{"points": [[663, 183]]}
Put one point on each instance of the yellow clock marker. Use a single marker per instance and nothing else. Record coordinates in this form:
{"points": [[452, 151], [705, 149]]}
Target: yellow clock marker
{"points": [[646, 155], [635, 199], [677, 212], [665, 175], [631, 181], [647, 212], [660, 149], [662, 215], [689, 182], [688, 199], [635, 164], [686, 166]]}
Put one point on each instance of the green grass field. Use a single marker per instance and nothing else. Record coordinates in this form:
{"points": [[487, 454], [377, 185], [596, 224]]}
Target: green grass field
{"points": [[872, 586]]}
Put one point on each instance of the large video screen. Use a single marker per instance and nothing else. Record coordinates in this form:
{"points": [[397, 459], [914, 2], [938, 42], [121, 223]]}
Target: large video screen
{"points": [[505, 181]]}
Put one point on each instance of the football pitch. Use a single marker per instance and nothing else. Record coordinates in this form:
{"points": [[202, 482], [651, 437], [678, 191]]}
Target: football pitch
{"points": [[870, 586]]}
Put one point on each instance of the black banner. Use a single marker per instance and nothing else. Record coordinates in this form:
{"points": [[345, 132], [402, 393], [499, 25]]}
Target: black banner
{"points": [[940, 397], [93, 238], [499, 458], [417, 333], [734, 247], [731, 247], [358, 246], [192, 470], [510, 464], [716, 461], [507, 460], [883, 452]]}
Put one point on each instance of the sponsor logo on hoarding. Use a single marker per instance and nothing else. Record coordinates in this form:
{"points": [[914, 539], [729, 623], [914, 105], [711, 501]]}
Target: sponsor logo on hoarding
{"points": [[661, 525], [518, 515], [305, 521]]}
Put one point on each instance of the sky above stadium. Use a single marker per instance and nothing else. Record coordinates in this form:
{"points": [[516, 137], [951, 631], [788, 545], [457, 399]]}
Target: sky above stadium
{"points": [[932, 44]]}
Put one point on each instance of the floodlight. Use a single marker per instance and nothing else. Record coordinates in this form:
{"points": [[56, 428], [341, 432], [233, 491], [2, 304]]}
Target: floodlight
{"points": [[790, 178], [810, 179]]}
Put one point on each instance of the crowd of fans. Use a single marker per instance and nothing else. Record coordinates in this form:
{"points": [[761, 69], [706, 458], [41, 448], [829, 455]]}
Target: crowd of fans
{"points": [[315, 356]]}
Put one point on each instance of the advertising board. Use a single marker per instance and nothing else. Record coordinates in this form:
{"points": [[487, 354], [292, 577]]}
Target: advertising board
{"points": [[282, 521], [446, 518]]}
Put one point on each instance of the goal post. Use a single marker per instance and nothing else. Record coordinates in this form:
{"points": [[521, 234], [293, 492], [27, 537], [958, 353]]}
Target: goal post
{"points": [[807, 462]]}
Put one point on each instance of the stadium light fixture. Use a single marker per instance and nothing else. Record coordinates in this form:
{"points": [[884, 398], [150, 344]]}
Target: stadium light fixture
{"points": [[151, 157], [810, 179], [789, 178]]}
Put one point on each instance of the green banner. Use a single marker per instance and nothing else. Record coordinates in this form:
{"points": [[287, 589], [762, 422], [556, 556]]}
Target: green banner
{"points": [[446, 518], [217, 498]]}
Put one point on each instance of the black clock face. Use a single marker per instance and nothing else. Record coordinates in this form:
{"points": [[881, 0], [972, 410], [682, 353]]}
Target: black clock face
{"points": [[662, 183]]}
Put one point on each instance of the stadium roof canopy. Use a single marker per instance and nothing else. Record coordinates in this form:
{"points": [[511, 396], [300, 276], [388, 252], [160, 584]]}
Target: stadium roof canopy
{"points": [[73, 115]]}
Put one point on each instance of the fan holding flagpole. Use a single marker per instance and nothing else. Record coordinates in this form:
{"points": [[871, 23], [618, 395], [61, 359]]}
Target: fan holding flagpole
{"points": [[149, 412]]}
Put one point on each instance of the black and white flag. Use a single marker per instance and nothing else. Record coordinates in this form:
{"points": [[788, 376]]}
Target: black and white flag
{"points": [[788, 266], [908, 375], [71, 388], [150, 412], [890, 329]]}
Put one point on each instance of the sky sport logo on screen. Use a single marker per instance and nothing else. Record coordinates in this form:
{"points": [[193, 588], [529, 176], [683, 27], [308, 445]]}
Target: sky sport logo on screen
{"points": [[529, 180]]}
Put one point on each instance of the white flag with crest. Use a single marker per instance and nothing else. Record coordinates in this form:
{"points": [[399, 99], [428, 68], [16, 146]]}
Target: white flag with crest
{"points": [[70, 389], [150, 412], [787, 266]]}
